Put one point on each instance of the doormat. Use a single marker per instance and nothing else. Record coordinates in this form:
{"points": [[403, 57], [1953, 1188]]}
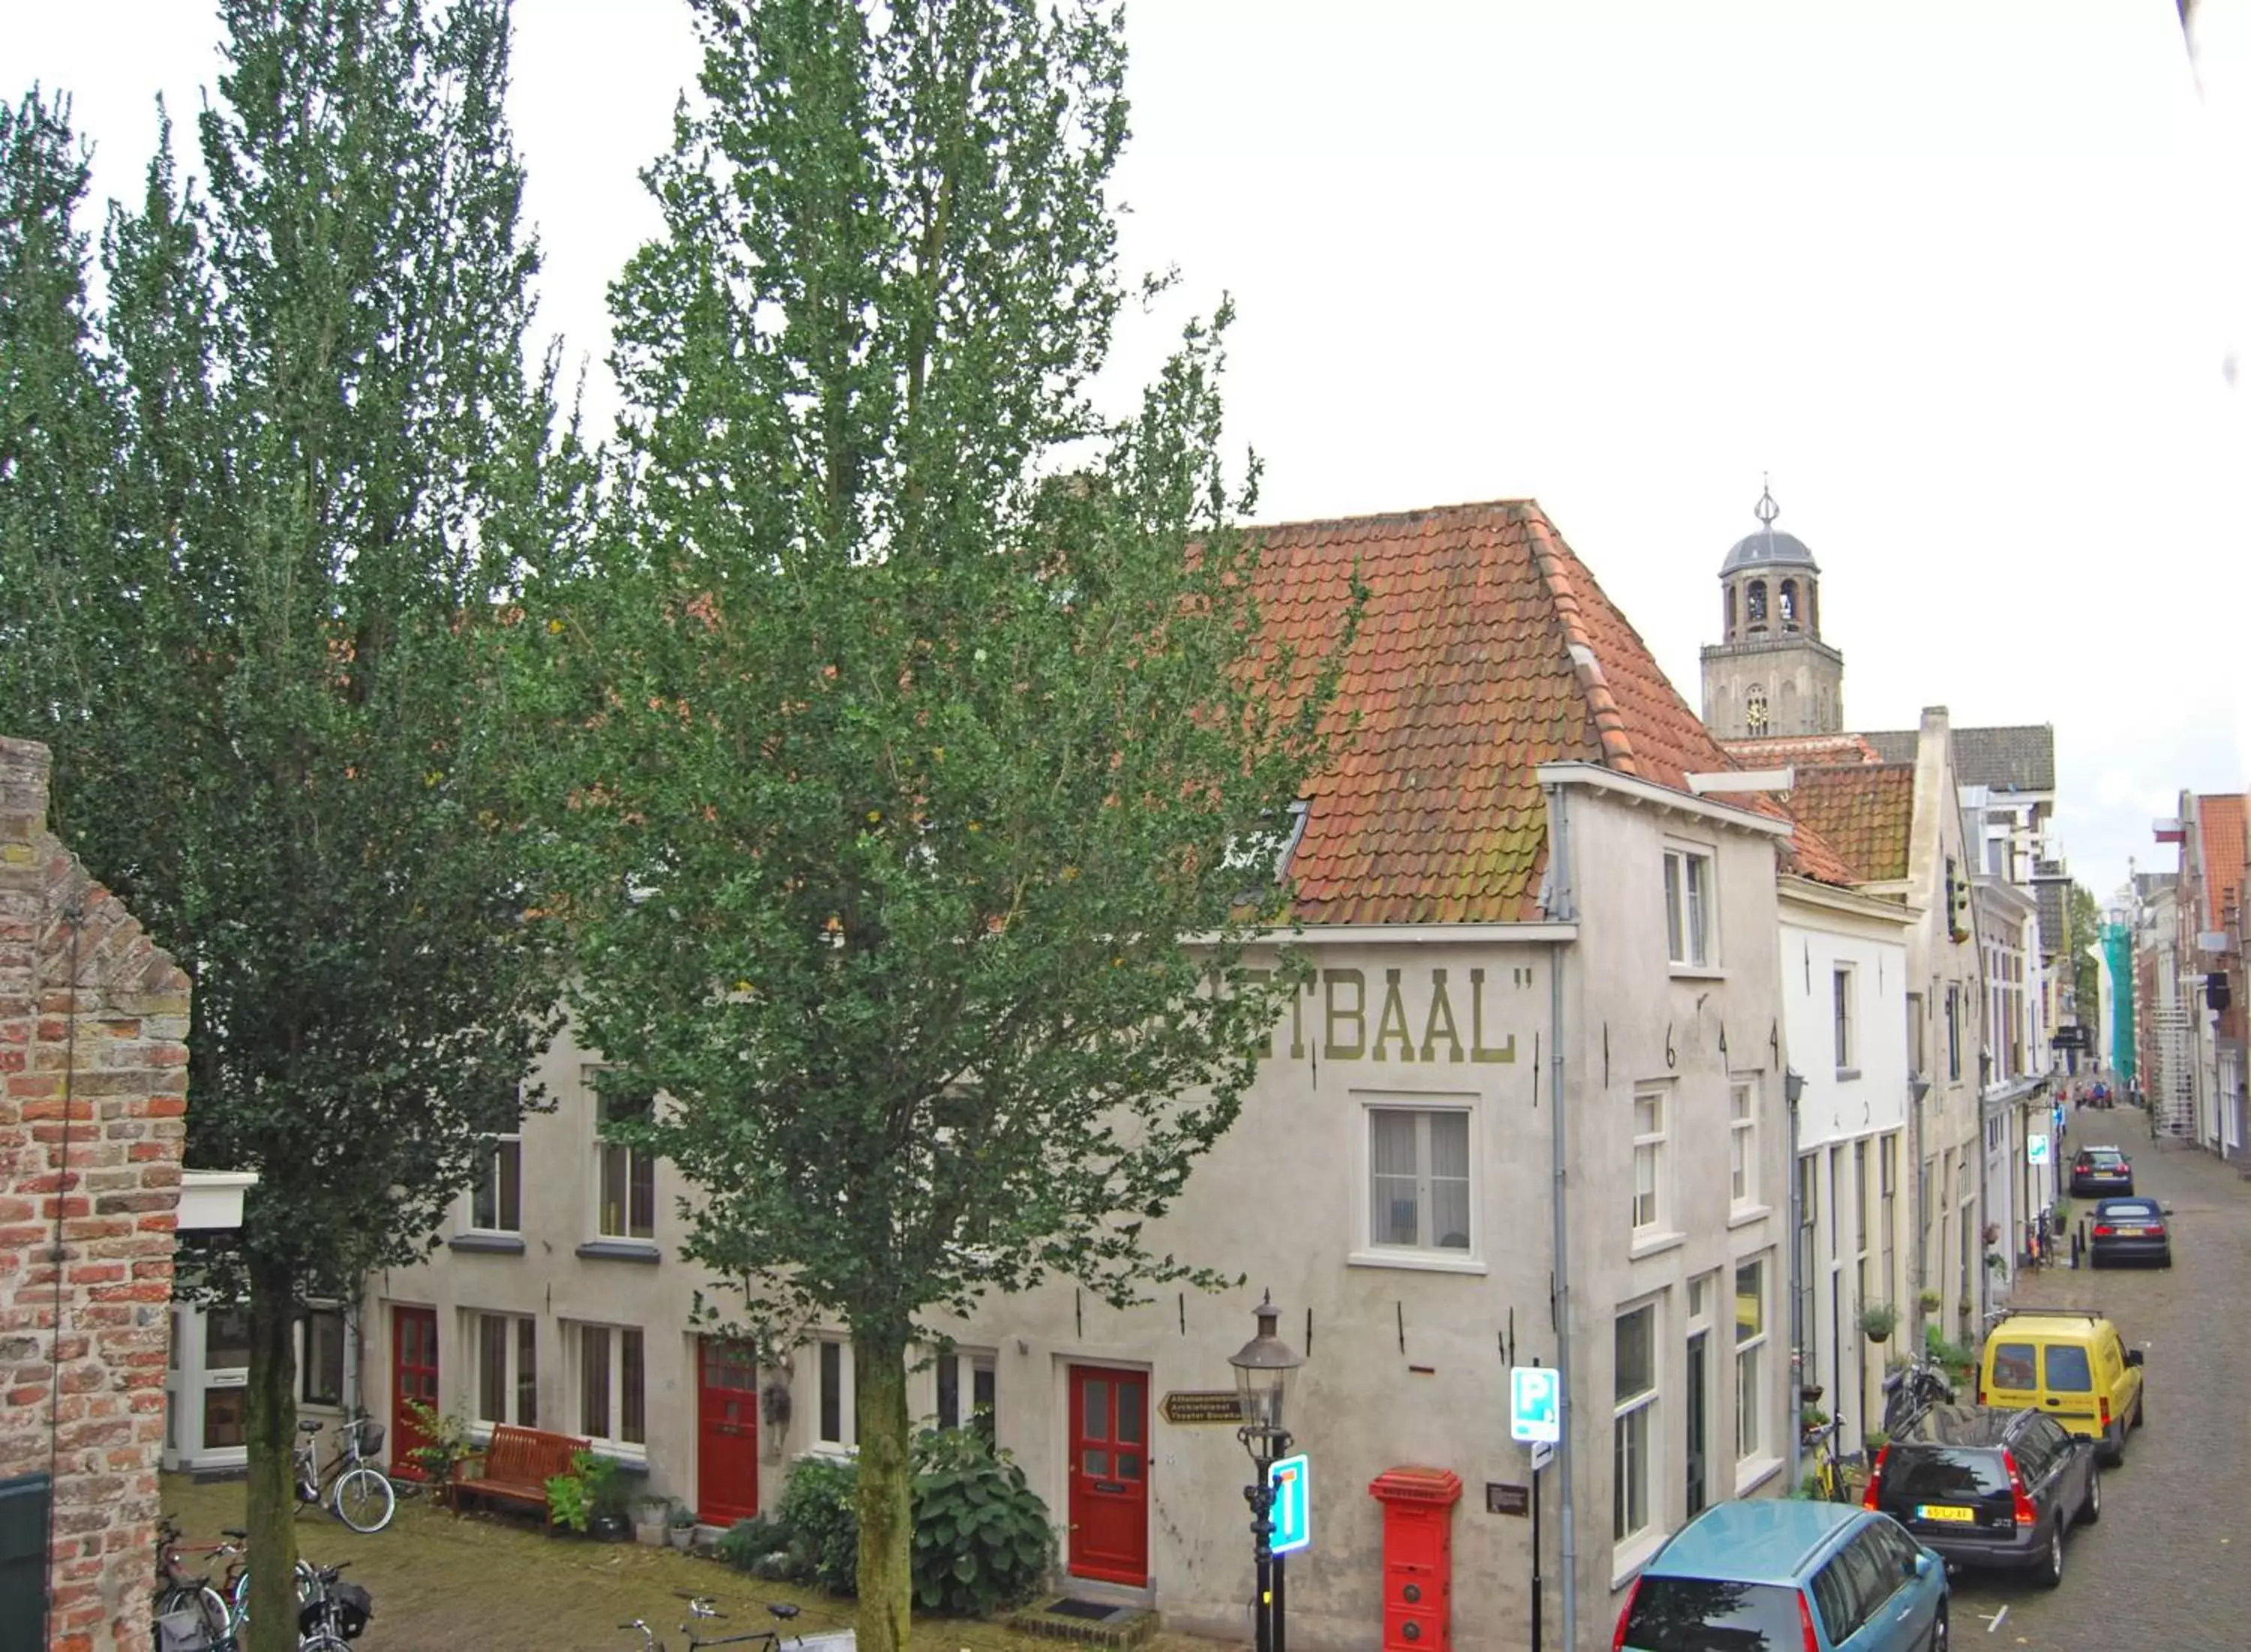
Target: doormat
{"points": [[1088, 1622]]}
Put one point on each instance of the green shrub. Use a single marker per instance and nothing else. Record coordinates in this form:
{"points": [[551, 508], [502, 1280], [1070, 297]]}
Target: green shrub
{"points": [[746, 1541], [819, 1512], [982, 1537]]}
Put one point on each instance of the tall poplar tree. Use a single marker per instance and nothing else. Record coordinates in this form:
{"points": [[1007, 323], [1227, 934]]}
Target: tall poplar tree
{"points": [[924, 760], [329, 463]]}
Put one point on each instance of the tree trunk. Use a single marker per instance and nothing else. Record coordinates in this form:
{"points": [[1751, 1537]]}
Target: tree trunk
{"points": [[273, 1425], [886, 1564]]}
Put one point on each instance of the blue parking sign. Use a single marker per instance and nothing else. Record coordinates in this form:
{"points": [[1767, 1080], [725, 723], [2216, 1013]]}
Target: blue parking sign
{"points": [[1536, 1404], [1292, 1479]]}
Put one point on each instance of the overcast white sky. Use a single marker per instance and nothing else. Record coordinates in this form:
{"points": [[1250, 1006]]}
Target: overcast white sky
{"points": [[1965, 276]]}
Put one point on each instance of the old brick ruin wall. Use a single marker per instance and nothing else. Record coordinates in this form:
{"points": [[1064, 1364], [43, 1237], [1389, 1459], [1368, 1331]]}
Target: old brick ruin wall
{"points": [[94, 1026]]}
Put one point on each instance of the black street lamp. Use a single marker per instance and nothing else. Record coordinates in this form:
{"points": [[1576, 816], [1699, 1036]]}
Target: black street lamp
{"points": [[1262, 1377]]}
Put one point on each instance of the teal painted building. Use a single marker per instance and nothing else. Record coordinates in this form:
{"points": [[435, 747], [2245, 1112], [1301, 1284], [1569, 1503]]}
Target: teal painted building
{"points": [[2118, 956]]}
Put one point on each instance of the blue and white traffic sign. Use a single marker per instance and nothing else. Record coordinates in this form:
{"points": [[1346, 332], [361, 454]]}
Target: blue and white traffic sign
{"points": [[1536, 1404], [1292, 1481], [2036, 1150]]}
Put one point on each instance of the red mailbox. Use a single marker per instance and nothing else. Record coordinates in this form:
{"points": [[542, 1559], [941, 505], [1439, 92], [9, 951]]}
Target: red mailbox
{"points": [[1418, 1557]]}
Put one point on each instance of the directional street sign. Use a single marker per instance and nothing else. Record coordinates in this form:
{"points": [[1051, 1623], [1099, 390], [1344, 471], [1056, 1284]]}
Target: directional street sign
{"points": [[1292, 1481], [1536, 1404], [1543, 1452]]}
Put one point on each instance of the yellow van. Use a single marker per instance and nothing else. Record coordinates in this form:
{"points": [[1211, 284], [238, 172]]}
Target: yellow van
{"points": [[2071, 1365]]}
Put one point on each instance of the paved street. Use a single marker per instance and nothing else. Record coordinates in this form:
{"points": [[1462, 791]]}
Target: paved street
{"points": [[2169, 1565]]}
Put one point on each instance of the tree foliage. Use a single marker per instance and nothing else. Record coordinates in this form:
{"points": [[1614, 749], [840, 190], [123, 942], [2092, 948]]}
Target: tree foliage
{"points": [[266, 641], [2084, 925], [925, 755]]}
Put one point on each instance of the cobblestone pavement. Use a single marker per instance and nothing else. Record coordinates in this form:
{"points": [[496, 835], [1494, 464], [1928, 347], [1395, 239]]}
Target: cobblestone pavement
{"points": [[2169, 1568]]}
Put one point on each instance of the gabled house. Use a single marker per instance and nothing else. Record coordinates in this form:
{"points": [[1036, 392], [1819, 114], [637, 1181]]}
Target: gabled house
{"points": [[1900, 826], [1529, 1110]]}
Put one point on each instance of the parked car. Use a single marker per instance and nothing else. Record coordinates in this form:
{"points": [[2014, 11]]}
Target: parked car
{"points": [[1984, 1487], [2070, 1364], [2129, 1230], [1778, 1574], [2098, 1170]]}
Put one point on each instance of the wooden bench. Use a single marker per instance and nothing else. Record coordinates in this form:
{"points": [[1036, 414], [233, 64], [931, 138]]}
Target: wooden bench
{"points": [[515, 1467]]}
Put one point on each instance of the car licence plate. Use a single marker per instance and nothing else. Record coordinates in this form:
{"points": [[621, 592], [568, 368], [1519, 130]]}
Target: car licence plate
{"points": [[1948, 1512], [2130, 1233]]}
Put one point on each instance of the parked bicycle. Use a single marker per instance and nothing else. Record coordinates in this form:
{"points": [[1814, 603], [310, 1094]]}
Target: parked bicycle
{"points": [[357, 1492], [1918, 1388], [331, 1614], [191, 1613], [701, 1609], [1833, 1476]]}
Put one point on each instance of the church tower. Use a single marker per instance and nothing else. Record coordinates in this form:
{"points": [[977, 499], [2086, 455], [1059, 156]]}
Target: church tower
{"points": [[1770, 675]]}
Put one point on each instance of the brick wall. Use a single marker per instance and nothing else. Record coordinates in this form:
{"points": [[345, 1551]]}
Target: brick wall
{"points": [[93, 1105]]}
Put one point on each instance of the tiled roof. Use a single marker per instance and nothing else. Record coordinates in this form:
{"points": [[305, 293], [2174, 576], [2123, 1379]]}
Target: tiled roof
{"points": [[1826, 750], [2220, 817], [1485, 649], [1866, 811], [2013, 759]]}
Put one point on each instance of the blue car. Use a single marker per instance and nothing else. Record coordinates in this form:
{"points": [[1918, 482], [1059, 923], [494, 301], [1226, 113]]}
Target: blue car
{"points": [[1774, 1575]]}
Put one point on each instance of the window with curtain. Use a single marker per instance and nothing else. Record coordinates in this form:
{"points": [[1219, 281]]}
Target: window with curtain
{"points": [[1634, 1391], [1750, 1354], [1418, 1162]]}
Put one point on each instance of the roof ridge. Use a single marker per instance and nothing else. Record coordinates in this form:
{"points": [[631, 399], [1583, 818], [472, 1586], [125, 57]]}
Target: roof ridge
{"points": [[1586, 665], [1414, 514]]}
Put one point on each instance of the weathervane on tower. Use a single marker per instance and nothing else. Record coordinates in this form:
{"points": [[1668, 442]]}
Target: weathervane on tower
{"points": [[1766, 510]]}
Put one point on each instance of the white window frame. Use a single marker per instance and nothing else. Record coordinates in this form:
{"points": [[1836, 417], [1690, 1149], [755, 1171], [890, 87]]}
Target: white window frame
{"points": [[512, 1371], [1654, 1145], [1691, 914], [1369, 1252], [1743, 1188], [489, 1181], [326, 1311], [1844, 983], [846, 1437], [1750, 1359], [633, 1161], [609, 1439], [1634, 1436], [965, 1366]]}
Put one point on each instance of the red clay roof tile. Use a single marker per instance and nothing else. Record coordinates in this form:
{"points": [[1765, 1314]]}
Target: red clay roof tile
{"points": [[1865, 811], [1486, 648]]}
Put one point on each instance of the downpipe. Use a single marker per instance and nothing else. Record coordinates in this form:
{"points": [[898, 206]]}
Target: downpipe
{"points": [[1562, 908]]}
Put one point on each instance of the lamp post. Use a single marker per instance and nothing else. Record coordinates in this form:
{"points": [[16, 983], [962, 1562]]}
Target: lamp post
{"points": [[1262, 1376]]}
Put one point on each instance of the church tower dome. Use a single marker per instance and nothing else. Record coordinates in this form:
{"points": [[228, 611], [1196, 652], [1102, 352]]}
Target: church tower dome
{"points": [[1770, 675]]}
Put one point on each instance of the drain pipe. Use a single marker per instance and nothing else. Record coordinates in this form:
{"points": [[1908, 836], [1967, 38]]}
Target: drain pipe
{"points": [[1562, 909]]}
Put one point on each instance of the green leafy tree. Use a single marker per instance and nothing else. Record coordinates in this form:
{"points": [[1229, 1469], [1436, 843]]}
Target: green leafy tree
{"points": [[2084, 925], [327, 462], [57, 425], [925, 758]]}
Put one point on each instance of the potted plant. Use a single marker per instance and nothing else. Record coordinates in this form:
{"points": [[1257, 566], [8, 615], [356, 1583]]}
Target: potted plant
{"points": [[682, 1524], [648, 1529], [1930, 1301], [1874, 1441], [1878, 1321], [590, 1498]]}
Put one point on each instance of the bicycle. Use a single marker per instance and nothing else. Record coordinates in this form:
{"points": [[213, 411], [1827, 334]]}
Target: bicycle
{"points": [[331, 1614], [356, 1492], [1828, 1476], [187, 1611], [700, 1607], [1918, 1388]]}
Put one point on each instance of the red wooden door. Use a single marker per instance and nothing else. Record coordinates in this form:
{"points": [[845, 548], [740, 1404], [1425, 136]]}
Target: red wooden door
{"points": [[1110, 1475], [726, 1433], [413, 1376]]}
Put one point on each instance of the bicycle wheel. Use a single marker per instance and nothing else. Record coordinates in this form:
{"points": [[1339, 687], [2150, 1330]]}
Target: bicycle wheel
{"points": [[362, 1499], [206, 1603], [323, 1642]]}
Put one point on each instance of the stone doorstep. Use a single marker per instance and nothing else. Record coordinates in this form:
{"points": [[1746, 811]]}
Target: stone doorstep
{"points": [[1128, 1626]]}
